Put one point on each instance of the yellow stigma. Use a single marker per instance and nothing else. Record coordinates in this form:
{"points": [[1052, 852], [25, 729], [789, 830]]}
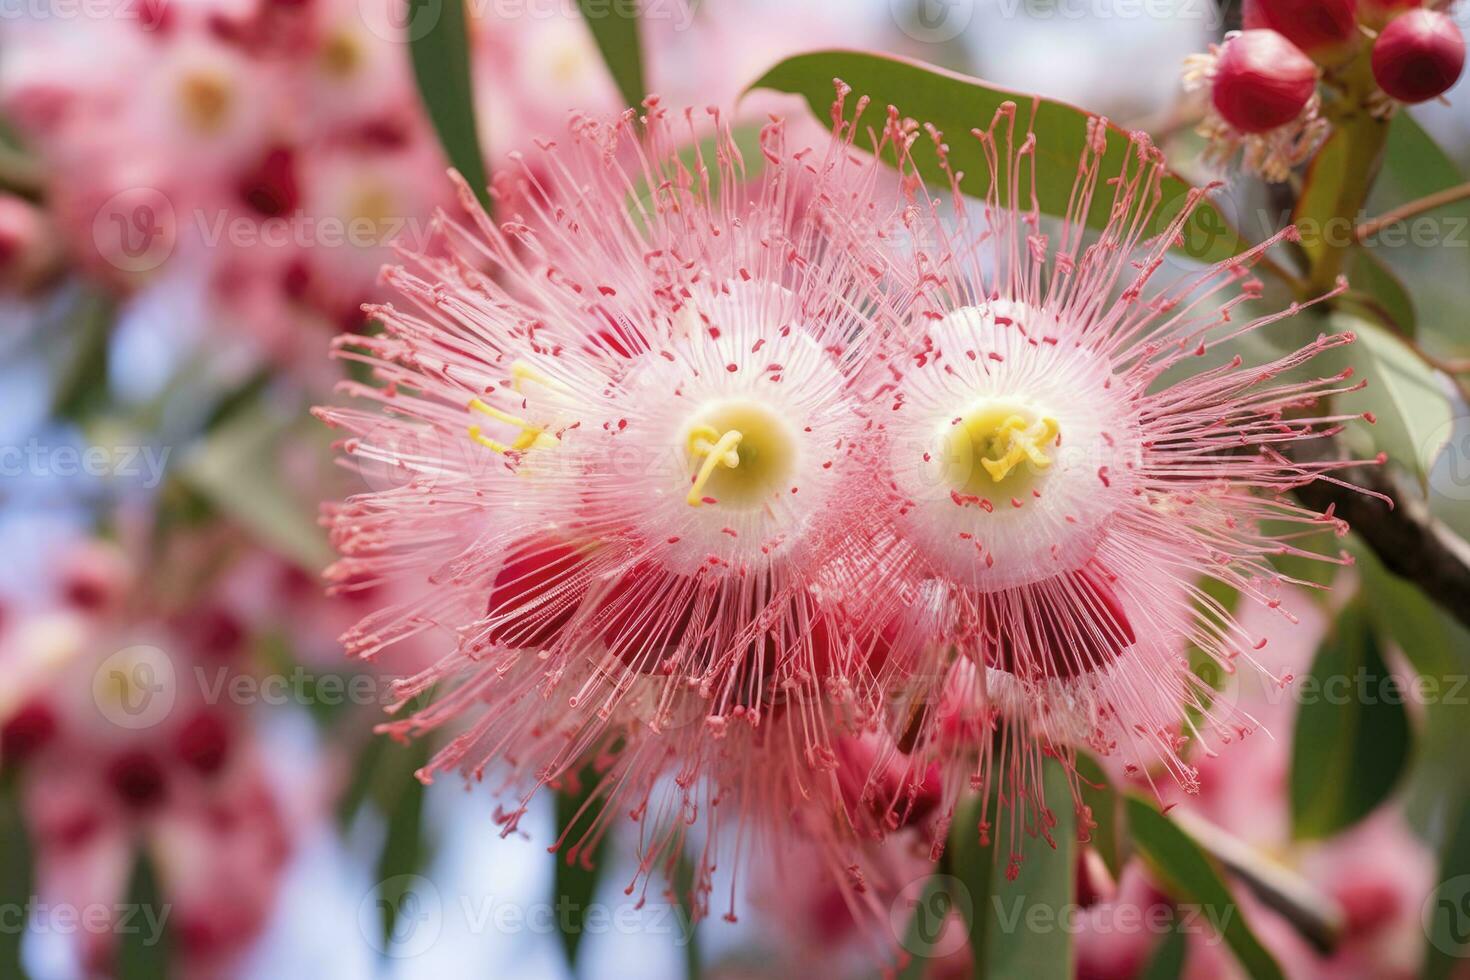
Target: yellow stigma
{"points": [[531, 436], [742, 454], [985, 448], [1022, 441], [716, 449], [204, 98], [341, 54], [373, 204]]}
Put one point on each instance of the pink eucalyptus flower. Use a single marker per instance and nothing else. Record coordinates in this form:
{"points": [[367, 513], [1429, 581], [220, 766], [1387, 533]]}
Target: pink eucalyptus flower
{"points": [[122, 739], [1064, 462], [618, 446]]}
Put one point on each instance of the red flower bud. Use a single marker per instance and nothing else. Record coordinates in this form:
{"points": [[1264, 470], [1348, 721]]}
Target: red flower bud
{"points": [[1324, 29], [26, 732], [30, 249], [1261, 81], [1418, 56], [203, 743], [271, 187]]}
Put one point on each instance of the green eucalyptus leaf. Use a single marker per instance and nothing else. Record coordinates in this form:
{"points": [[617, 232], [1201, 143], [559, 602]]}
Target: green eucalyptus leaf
{"points": [[614, 26], [234, 468], [1029, 933], [1100, 797], [956, 105], [1192, 878], [1378, 291], [1352, 740], [16, 875], [935, 902], [143, 951], [1412, 410], [439, 48], [1429, 252], [578, 870], [1017, 910], [1167, 961], [406, 847]]}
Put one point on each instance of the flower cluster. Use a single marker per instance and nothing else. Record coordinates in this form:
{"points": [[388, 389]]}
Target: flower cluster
{"points": [[1263, 83], [809, 501], [118, 752], [262, 154]]}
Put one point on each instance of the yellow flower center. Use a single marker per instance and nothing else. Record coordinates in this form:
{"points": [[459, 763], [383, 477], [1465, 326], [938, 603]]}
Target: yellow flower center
{"points": [[741, 454], [204, 99], [997, 448], [341, 54]]}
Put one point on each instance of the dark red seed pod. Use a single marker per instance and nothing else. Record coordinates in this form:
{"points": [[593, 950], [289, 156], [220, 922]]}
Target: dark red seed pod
{"points": [[204, 743], [1261, 81], [138, 779], [1418, 56]]}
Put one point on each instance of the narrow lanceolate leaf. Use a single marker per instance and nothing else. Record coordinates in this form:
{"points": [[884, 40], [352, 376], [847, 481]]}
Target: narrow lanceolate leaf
{"points": [[406, 848], [1378, 292], [614, 27], [438, 45], [1167, 960], [143, 941], [956, 105], [234, 468], [1194, 882], [1351, 743], [1412, 412], [972, 868], [933, 906], [578, 871], [1414, 165], [1029, 930], [81, 379], [1018, 925], [1438, 648], [16, 885]]}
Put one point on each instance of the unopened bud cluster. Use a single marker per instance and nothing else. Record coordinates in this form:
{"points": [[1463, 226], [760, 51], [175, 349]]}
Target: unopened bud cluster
{"points": [[1264, 83]]}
